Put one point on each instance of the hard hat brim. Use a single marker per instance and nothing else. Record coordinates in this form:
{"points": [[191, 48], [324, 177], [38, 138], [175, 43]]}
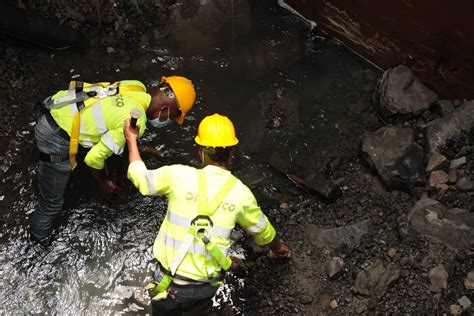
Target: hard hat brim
{"points": [[180, 119]]}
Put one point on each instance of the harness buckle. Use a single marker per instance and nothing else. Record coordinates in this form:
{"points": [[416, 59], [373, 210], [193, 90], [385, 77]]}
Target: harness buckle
{"points": [[107, 91], [202, 227]]}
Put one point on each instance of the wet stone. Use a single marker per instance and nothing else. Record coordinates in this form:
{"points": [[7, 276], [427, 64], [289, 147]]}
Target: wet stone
{"points": [[453, 226], [446, 107], [435, 160], [306, 299], [348, 236], [392, 252], [455, 310], [442, 130], [438, 277], [394, 154], [400, 92], [375, 280], [456, 163], [438, 177], [469, 281], [465, 185], [453, 176], [465, 302], [334, 267]]}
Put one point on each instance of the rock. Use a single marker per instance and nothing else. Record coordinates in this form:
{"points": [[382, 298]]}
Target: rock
{"points": [[456, 163], [439, 131], [110, 50], [392, 252], [438, 177], [453, 226], [453, 176], [439, 278], [375, 280], [236, 235], [404, 261], [334, 267], [446, 107], [284, 205], [360, 305], [435, 160], [333, 304], [348, 236], [441, 186], [395, 155], [400, 92], [455, 310], [402, 227], [306, 298], [123, 292], [469, 281], [465, 185], [465, 302]]}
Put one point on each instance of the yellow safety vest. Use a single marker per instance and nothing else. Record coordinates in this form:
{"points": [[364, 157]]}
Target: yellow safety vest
{"points": [[93, 115], [180, 184]]}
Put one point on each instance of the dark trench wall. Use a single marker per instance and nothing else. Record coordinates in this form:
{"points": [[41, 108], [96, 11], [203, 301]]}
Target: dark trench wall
{"points": [[435, 38]]}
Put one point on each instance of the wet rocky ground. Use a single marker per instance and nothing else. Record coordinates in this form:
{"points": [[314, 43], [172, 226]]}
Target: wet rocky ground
{"points": [[303, 105]]}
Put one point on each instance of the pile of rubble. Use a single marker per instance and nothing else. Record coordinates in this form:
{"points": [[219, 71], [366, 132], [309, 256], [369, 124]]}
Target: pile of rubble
{"points": [[428, 149]]}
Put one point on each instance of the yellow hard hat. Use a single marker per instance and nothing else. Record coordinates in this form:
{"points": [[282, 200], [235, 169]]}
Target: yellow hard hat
{"points": [[184, 91], [216, 131]]}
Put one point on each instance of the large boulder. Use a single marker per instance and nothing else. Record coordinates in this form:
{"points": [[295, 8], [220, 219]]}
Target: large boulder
{"points": [[375, 280], [393, 153], [461, 119], [453, 226], [344, 236], [400, 92]]}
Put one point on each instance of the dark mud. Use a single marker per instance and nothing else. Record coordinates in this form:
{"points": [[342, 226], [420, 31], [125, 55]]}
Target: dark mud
{"points": [[292, 93]]}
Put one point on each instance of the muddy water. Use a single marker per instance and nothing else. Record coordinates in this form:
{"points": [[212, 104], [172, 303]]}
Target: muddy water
{"points": [[288, 91]]}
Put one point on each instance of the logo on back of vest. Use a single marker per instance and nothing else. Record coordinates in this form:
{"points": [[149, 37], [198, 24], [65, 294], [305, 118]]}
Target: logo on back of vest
{"points": [[119, 101], [191, 197], [228, 207]]}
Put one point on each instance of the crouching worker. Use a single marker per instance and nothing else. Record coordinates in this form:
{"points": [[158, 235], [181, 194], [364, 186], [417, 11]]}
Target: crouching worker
{"points": [[203, 207]]}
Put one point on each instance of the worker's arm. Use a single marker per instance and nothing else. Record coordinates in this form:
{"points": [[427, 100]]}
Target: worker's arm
{"points": [[254, 222], [148, 182], [105, 183], [95, 160]]}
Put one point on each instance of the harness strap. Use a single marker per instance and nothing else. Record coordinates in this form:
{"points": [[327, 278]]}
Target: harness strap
{"points": [[205, 211], [209, 209], [84, 99]]}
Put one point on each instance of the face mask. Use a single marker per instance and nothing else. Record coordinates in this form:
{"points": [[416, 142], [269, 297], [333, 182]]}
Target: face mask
{"points": [[159, 124]]}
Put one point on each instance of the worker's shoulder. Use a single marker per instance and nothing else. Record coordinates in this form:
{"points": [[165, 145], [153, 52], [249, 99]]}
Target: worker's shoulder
{"points": [[139, 86], [242, 189], [180, 169]]}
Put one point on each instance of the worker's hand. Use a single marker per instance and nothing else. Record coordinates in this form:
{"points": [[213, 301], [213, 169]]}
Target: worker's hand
{"points": [[109, 186], [131, 133], [238, 265], [279, 250]]}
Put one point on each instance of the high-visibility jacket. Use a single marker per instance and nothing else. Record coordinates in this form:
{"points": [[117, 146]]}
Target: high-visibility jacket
{"points": [[102, 121], [180, 185]]}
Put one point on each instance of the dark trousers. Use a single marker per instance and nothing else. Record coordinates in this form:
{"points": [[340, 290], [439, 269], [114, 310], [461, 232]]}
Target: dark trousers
{"points": [[52, 181], [188, 299]]}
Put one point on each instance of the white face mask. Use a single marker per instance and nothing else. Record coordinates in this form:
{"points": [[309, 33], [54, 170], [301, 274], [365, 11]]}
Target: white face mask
{"points": [[159, 124]]}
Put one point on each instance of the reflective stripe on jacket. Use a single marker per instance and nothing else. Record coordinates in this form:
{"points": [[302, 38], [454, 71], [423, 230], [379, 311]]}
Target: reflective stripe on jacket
{"points": [[102, 121], [180, 184]]}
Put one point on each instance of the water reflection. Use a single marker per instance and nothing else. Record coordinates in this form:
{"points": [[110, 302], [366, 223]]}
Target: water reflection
{"points": [[259, 75]]}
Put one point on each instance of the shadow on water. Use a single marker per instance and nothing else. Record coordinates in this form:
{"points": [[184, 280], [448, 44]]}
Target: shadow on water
{"points": [[305, 101]]}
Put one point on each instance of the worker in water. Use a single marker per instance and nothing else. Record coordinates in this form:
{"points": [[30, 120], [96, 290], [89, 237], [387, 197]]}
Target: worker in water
{"points": [[204, 205], [92, 115]]}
